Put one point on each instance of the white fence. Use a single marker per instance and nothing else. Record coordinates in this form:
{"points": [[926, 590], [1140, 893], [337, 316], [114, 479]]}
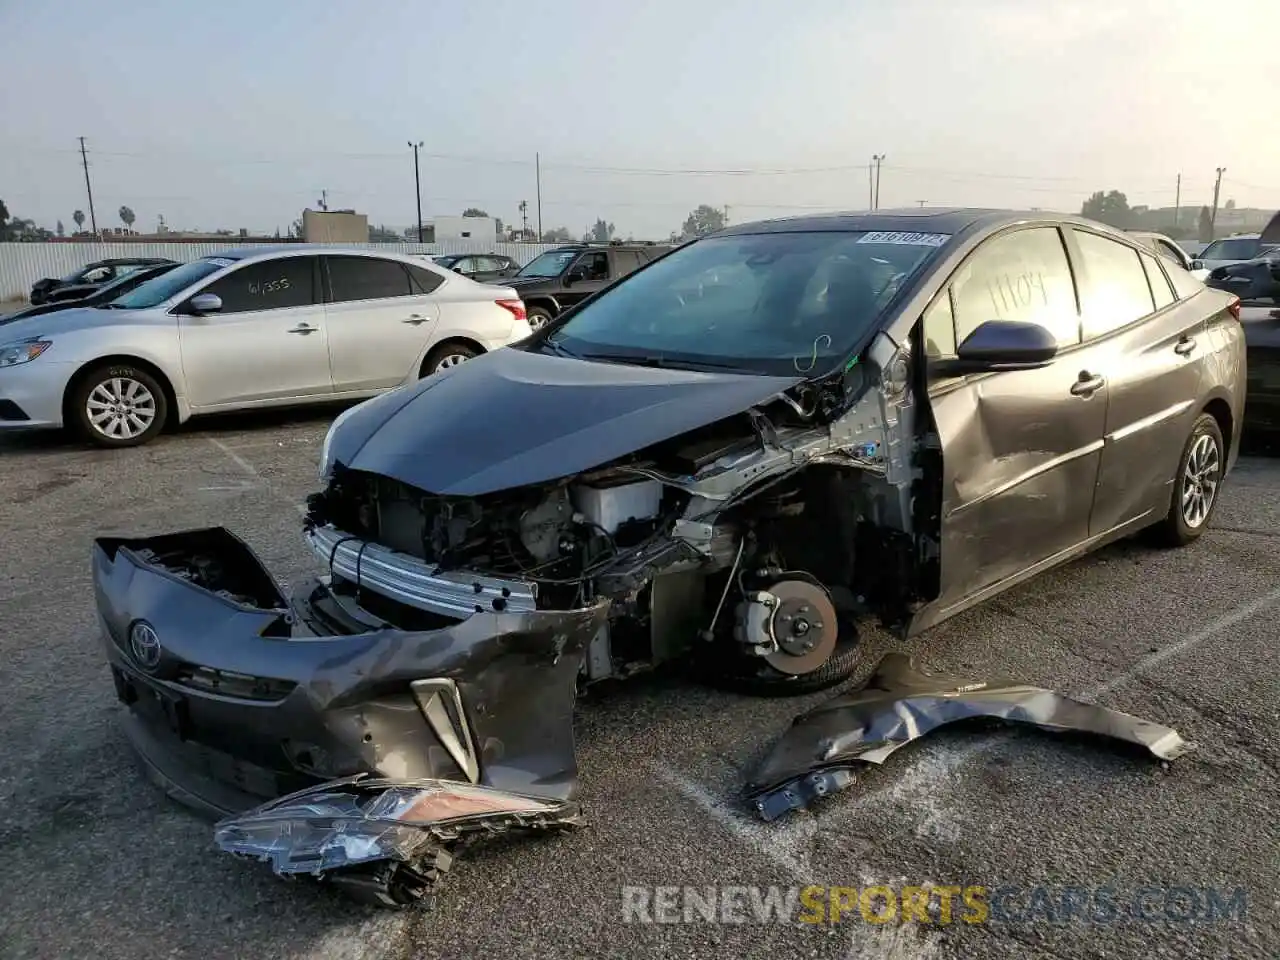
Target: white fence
{"points": [[22, 264]]}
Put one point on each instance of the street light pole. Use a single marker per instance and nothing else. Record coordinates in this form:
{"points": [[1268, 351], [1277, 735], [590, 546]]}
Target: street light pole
{"points": [[1217, 186], [879, 159], [417, 185]]}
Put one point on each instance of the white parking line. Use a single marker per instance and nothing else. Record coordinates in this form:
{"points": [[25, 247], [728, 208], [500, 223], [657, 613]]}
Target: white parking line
{"points": [[789, 846], [235, 458], [1239, 615], [255, 478]]}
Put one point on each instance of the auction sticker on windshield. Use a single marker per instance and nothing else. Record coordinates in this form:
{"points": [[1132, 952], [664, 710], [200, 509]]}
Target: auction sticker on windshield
{"points": [[903, 237]]}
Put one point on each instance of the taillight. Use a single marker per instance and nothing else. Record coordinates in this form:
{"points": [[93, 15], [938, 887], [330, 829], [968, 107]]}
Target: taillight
{"points": [[1234, 307], [515, 306]]}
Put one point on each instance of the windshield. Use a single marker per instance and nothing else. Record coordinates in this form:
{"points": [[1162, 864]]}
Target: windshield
{"points": [[157, 290], [775, 303], [447, 261], [550, 264], [1240, 248]]}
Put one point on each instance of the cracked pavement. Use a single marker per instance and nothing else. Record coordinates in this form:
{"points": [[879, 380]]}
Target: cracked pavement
{"points": [[95, 857]]}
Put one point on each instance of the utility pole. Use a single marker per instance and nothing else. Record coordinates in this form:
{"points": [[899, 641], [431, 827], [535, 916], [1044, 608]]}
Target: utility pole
{"points": [[879, 159], [524, 219], [871, 183], [1217, 186], [417, 185], [921, 202], [323, 202], [537, 176], [726, 214], [84, 159], [1177, 202]]}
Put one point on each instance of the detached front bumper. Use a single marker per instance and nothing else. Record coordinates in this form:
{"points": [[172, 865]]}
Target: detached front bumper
{"points": [[237, 696]]}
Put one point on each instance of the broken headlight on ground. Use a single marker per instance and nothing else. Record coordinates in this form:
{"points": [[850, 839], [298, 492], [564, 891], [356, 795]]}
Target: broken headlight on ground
{"points": [[899, 703], [385, 842]]}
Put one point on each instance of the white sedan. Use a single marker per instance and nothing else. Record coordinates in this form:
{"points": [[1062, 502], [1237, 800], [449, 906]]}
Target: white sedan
{"points": [[255, 327]]}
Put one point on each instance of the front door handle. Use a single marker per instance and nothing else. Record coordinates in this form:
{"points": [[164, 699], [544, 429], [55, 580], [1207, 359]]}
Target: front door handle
{"points": [[1185, 346], [303, 328], [1087, 384], [415, 319]]}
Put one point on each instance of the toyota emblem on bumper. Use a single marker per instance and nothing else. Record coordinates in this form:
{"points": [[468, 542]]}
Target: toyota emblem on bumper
{"points": [[144, 645]]}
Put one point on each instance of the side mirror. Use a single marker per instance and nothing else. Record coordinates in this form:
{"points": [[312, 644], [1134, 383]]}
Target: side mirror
{"points": [[203, 303], [1197, 264], [1002, 345]]}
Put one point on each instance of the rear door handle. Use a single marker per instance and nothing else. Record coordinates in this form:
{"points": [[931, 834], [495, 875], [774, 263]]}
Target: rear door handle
{"points": [[1185, 346], [1087, 384], [415, 319], [303, 329]]}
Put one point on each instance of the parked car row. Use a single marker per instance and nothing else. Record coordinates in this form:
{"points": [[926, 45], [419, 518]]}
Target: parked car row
{"points": [[255, 327], [82, 282]]}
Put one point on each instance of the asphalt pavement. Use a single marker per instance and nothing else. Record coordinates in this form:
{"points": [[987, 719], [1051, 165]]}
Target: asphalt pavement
{"points": [[96, 861]]}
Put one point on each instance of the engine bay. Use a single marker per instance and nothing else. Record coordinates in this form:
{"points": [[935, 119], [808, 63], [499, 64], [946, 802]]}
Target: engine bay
{"points": [[758, 540]]}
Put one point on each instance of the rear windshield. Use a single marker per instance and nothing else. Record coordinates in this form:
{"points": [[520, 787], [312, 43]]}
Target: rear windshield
{"points": [[773, 303], [157, 290], [1235, 249]]}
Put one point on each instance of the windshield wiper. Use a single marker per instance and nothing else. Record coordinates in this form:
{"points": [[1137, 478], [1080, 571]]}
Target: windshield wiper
{"points": [[660, 361], [559, 349]]}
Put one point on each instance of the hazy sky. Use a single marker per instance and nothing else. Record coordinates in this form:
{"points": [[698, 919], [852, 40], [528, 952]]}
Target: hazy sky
{"points": [[236, 113]]}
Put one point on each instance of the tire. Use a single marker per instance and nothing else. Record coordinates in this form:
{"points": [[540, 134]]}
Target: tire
{"points": [[448, 355], [118, 405], [539, 317], [1191, 508]]}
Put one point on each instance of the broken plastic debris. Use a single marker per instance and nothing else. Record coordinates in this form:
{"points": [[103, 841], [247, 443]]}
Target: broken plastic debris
{"points": [[899, 703]]}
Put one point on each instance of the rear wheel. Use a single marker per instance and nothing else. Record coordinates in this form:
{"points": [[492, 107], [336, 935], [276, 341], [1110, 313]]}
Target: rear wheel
{"points": [[118, 405], [539, 317], [1195, 489], [448, 355]]}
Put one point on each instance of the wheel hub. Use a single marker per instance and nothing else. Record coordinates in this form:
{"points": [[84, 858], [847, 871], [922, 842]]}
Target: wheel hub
{"points": [[804, 627]]}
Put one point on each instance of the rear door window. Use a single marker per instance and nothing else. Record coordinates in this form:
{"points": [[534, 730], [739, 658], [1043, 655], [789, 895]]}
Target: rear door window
{"points": [[423, 281], [626, 261], [266, 285], [1114, 291], [1160, 288], [1022, 275], [367, 278], [1166, 250]]}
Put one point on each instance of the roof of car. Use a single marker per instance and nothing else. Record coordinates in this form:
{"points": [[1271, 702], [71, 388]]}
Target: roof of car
{"points": [[265, 249], [949, 220]]}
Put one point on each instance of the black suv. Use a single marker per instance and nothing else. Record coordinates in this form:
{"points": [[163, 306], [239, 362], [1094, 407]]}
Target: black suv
{"points": [[559, 278]]}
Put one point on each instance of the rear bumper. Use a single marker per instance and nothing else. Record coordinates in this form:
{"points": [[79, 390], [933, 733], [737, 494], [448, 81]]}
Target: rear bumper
{"points": [[236, 696]]}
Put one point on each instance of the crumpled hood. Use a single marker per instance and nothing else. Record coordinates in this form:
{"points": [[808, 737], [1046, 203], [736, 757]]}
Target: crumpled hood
{"points": [[511, 418]]}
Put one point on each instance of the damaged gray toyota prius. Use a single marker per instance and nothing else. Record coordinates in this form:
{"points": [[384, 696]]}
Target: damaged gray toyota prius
{"points": [[729, 459]]}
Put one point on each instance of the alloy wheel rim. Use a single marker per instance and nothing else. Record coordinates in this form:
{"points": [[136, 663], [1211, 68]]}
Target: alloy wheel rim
{"points": [[536, 320], [1200, 480], [121, 408], [451, 360]]}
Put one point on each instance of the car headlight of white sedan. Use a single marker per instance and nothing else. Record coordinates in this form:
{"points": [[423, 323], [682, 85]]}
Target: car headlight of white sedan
{"points": [[22, 351]]}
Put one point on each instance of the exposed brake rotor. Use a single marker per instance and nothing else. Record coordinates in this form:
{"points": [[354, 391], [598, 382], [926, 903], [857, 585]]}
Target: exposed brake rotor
{"points": [[804, 626]]}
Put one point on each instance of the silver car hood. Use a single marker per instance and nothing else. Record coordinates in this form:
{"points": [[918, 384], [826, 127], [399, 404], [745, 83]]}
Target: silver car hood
{"points": [[65, 321]]}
